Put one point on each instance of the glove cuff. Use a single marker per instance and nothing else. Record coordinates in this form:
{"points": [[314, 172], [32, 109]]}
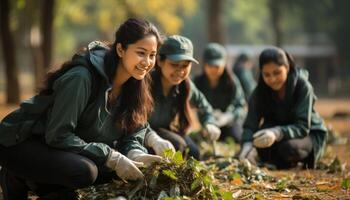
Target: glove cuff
{"points": [[113, 159], [278, 133], [134, 154], [151, 138]]}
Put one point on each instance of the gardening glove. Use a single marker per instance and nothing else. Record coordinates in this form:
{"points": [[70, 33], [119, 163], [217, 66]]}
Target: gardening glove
{"points": [[248, 152], [140, 156], [124, 167], [158, 144], [217, 113], [246, 148], [224, 119], [266, 137], [211, 131]]}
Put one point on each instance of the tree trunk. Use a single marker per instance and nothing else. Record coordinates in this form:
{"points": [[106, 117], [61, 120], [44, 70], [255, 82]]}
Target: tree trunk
{"points": [[215, 21], [46, 30], [8, 46], [275, 12]]}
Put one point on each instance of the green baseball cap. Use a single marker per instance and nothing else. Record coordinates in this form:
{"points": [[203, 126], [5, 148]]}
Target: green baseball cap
{"points": [[177, 48], [215, 54]]}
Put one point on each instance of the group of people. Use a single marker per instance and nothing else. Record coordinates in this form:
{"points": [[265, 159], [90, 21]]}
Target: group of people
{"points": [[116, 107]]}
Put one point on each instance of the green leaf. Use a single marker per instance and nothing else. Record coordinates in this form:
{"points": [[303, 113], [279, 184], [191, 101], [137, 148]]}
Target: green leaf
{"points": [[335, 166], [195, 184], [178, 159], [346, 183], [234, 176], [169, 174], [168, 153], [226, 195]]}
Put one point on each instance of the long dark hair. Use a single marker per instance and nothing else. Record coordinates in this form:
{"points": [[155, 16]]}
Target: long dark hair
{"points": [[182, 102], [136, 100], [263, 91]]}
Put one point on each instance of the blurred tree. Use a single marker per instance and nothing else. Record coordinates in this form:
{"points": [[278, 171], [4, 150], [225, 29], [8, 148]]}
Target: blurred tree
{"points": [[276, 9], [215, 21], [80, 21], [8, 46], [47, 17]]}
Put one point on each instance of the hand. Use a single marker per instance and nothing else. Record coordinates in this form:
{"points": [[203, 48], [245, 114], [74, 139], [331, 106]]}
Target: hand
{"points": [[139, 156], [266, 137], [216, 113], [224, 119], [158, 144], [124, 167], [211, 131], [248, 152], [246, 148]]}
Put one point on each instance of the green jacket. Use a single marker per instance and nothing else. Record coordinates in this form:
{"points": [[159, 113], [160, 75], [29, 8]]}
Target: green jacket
{"points": [[164, 110], [227, 101], [67, 120], [295, 114]]}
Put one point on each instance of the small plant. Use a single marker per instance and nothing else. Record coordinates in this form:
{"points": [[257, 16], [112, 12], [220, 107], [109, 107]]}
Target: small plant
{"points": [[172, 179]]}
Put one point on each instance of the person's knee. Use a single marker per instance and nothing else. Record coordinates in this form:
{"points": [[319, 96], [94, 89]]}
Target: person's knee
{"points": [[85, 176], [179, 144], [292, 153]]}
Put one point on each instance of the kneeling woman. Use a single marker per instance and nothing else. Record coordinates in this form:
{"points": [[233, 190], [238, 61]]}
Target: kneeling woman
{"points": [[282, 124], [173, 94], [67, 137]]}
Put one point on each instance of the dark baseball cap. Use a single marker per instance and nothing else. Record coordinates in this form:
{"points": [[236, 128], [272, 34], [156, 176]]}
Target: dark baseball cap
{"points": [[215, 54], [177, 48]]}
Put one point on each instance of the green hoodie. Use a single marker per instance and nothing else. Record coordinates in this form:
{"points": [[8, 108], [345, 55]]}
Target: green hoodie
{"points": [[295, 114], [67, 120]]}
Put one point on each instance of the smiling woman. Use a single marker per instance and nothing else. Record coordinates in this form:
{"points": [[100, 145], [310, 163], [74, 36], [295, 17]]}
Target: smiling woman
{"points": [[291, 131], [93, 109], [174, 93]]}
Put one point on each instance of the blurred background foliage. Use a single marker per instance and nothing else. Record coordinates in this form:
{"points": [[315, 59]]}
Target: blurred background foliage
{"points": [[44, 33]]}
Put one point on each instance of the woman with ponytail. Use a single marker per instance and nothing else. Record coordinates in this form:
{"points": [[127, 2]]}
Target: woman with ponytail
{"points": [[174, 94], [282, 126], [93, 109]]}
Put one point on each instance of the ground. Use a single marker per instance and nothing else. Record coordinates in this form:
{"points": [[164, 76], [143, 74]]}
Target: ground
{"points": [[296, 183]]}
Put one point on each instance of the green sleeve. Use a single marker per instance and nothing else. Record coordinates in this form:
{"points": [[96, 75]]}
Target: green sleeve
{"points": [[251, 124], [303, 111], [134, 140], [72, 91], [204, 109], [238, 102]]}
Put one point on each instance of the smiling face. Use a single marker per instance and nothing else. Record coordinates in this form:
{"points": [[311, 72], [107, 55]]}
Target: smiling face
{"points": [[140, 57], [173, 73], [275, 76]]}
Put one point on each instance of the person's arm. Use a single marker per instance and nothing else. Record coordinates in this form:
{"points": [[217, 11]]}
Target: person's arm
{"points": [[204, 109], [134, 140], [72, 91], [303, 111], [251, 124]]}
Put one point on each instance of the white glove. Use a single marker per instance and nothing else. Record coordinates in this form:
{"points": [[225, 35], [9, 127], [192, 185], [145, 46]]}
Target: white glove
{"points": [[212, 132], [266, 137], [248, 152], [124, 167], [140, 156], [158, 144], [246, 148], [216, 113], [224, 119]]}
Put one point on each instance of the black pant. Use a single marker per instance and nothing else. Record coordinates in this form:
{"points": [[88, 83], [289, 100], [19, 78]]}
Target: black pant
{"points": [[47, 168], [181, 143], [287, 153], [235, 131]]}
